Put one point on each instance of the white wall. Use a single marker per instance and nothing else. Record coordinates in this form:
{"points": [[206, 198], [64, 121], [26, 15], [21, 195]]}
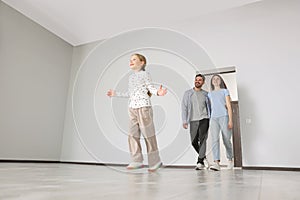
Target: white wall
{"points": [[34, 76], [98, 126], [261, 40], [72, 148]]}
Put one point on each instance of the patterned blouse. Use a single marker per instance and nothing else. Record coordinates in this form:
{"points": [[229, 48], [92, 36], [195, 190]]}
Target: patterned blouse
{"points": [[138, 86]]}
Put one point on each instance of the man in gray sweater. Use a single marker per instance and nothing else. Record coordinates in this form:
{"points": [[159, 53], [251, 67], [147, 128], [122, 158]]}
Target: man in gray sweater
{"points": [[196, 112]]}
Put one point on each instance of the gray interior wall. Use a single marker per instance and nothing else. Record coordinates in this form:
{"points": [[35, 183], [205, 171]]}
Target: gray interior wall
{"points": [[261, 40], [96, 126], [34, 77], [72, 148]]}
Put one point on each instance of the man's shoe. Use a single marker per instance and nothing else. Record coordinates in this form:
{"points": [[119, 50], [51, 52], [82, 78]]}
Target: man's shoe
{"points": [[206, 163], [135, 165], [200, 166]]}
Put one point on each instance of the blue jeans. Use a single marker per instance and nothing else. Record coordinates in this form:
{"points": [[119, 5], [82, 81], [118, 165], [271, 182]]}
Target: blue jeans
{"points": [[217, 125]]}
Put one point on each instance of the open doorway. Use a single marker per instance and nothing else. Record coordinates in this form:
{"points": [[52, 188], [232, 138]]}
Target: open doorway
{"points": [[229, 76]]}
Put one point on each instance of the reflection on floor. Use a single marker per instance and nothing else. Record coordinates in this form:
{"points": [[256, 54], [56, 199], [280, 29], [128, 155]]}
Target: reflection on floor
{"points": [[70, 181]]}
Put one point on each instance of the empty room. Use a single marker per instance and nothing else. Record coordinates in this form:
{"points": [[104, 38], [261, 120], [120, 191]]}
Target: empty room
{"points": [[149, 99]]}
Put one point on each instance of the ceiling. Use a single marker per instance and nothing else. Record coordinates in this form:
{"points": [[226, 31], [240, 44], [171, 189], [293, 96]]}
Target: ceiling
{"points": [[82, 21]]}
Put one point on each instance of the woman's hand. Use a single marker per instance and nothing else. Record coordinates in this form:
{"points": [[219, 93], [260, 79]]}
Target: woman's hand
{"points": [[111, 93], [185, 125], [161, 91]]}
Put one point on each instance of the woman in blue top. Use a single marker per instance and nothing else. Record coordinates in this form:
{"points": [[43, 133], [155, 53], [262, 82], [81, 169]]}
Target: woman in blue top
{"points": [[221, 120]]}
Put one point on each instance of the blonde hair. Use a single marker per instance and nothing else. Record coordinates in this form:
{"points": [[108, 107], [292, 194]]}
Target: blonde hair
{"points": [[141, 58]]}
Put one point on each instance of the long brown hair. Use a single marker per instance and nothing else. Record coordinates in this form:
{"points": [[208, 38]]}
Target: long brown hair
{"points": [[222, 85]]}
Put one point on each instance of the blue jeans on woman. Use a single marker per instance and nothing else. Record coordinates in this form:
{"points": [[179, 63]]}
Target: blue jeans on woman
{"points": [[217, 125]]}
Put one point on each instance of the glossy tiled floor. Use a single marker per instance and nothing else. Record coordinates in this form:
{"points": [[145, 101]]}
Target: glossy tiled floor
{"points": [[70, 181]]}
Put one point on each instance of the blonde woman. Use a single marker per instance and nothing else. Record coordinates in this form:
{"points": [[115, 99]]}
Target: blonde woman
{"points": [[140, 112]]}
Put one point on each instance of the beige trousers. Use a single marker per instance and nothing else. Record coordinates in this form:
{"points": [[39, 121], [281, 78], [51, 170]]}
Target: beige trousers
{"points": [[141, 121]]}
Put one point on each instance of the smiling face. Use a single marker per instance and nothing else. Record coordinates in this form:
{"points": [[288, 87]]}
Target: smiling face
{"points": [[136, 63], [198, 82], [216, 81]]}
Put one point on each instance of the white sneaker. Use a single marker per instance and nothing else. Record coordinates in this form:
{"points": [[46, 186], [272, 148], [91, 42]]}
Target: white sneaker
{"points": [[135, 165], [230, 164], [155, 167], [200, 166], [206, 163], [215, 167]]}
